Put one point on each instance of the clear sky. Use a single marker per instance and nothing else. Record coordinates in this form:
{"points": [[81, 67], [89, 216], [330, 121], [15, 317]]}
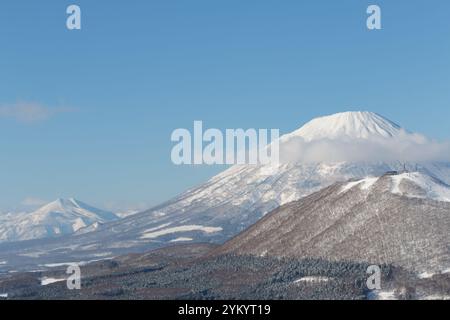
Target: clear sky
{"points": [[89, 113]]}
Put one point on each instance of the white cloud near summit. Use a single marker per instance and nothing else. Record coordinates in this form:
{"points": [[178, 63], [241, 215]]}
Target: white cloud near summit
{"points": [[404, 147]]}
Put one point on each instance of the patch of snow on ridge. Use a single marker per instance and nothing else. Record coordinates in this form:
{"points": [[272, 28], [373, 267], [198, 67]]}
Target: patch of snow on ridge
{"points": [[429, 275], [77, 225], [368, 183], [159, 233], [425, 275], [4, 295], [350, 186], [46, 281], [158, 227], [312, 279], [430, 187], [181, 239], [364, 184], [79, 263], [434, 189], [63, 264]]}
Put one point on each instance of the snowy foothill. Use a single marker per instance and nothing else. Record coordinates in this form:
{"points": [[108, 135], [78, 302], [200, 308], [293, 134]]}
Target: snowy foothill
{"points": [[432, 188], [425, 186]]}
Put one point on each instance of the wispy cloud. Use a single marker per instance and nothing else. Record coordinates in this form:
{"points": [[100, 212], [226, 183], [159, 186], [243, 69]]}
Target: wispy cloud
{"points": [[30, 112]]}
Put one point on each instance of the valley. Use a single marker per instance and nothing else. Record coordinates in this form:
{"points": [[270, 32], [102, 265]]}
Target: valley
{"points": [[188, 272]]}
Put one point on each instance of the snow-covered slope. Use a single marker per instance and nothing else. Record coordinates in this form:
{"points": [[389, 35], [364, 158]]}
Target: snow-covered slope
{"points": [[416, 185], [389, 219], [409, 184], [241, 195], [60, 217]]}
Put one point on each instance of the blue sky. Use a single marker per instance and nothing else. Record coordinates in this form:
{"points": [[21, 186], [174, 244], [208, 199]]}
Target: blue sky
{"points": [[140, 69]]}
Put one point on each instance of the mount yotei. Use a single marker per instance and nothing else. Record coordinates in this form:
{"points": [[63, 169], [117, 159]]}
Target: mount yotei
{"points": [[327, 150]]}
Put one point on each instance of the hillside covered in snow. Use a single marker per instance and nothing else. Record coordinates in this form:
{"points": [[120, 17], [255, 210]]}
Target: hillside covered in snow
{"points": [[401, 219]]}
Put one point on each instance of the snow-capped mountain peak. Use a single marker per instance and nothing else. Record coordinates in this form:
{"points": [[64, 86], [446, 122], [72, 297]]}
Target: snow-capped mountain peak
{"points": [[59, 205], [70, 207], [355, 125], [60, 217]]}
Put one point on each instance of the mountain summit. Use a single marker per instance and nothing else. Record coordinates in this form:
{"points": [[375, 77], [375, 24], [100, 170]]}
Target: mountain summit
{"points": [[355, 125], [72, 205], [57, 218]]}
